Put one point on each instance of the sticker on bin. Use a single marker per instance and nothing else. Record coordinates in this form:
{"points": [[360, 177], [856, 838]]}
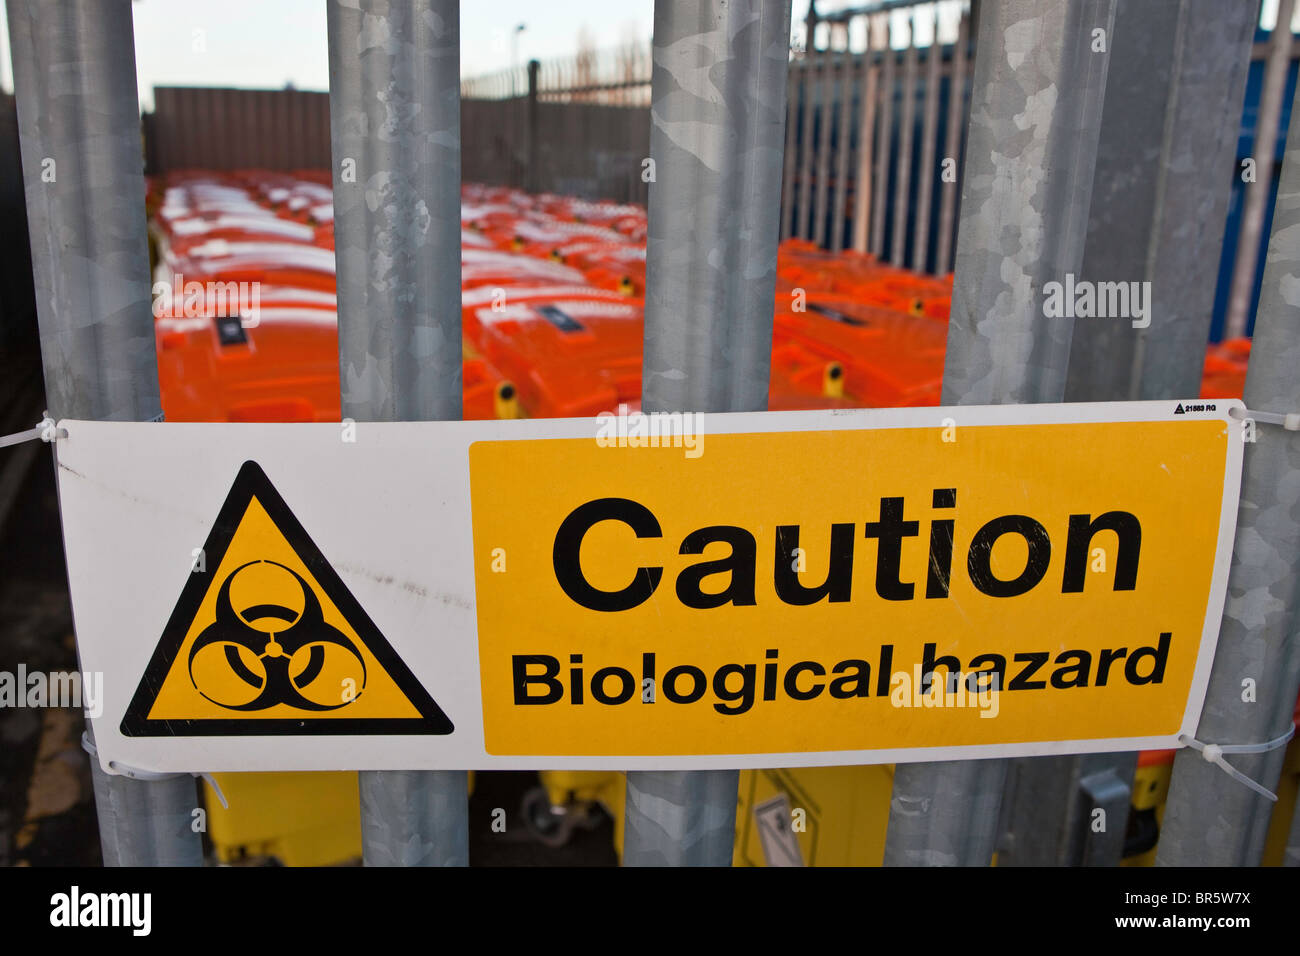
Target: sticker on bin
{"points": [[650, 591]]}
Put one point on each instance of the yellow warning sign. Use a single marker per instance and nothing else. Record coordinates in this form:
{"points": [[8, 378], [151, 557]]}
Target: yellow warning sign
{"points": [[267, 640], [846, 590]]}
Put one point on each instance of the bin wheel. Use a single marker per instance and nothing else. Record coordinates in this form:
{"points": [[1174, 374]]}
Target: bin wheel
{"points": [[550, 825]]}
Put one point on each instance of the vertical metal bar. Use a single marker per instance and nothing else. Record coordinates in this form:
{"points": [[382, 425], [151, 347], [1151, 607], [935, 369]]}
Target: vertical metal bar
{"points": [[79, 129], [518, 130], [788, 168], [903, 177], [1257, 192], [1177, 67], [533, 176], [929, 132], [1048, 807], [78, 122], [1024, 220], [1211, 819], [711, 277], [1291, 855], [843, 144], [952, 144], [884, 144], [863, 194], [1001, 348], [1052, 801], [397, 249], [825, 120], [812, 95], [1169, 130]]}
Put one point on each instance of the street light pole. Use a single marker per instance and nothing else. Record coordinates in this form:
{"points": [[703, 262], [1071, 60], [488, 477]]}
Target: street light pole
{"points": [[514, 58]]}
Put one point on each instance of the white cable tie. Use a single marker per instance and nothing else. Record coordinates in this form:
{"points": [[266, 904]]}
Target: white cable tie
{"points": [[17, 438], [1288, 420], [50, 431], [135, 773], [1213, 753], [46, 431]]}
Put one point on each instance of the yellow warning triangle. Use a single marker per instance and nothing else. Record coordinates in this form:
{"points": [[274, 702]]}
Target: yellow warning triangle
{"points": [[267, 640]]}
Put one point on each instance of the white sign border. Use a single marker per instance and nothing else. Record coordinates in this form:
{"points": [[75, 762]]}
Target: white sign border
{"points": [[211, 446]]}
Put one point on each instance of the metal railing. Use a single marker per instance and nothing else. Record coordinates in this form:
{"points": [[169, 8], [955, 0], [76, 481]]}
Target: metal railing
{"points": [[619, 76]]}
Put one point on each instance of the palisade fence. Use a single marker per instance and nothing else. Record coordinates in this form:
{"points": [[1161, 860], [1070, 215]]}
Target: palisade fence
{"points": [[1121, 174], [580, 126], [872, 124], [874, 137]]}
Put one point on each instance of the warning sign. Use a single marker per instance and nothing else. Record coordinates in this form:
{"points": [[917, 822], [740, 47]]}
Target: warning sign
{"points": [[846, 591], [268, 640], [785, 589]]}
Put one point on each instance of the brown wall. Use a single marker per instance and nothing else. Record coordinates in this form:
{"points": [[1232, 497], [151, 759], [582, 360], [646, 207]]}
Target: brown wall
{"points": [[209, 128], [584, 149]]}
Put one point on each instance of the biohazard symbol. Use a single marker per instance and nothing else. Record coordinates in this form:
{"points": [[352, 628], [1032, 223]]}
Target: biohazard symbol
{"points": [[274, 648], [271, 641]]}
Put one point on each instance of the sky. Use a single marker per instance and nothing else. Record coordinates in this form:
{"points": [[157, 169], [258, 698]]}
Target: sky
{"points": [[269, 43]]}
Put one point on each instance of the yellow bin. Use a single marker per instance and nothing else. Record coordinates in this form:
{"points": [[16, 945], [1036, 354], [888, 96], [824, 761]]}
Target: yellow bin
{"points": [[811, 816], [299, 819]]}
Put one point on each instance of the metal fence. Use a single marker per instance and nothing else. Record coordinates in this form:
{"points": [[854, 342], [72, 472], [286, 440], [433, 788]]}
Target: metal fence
{"points": [[1048, 143], [613, 77], [874, 122], [873, 136]]}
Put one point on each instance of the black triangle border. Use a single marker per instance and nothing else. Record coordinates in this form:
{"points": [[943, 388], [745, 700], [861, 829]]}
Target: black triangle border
{"points": [[250, 482]]}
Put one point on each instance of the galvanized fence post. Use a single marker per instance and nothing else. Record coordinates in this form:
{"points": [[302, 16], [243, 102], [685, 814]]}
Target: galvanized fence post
{"points": [[397, 249], [813, 94], [1177, 72], [952, 143], [884, 144], [1212, 819], [1177, 69], [1038, 84], [532, 176], [1291, 856], [825, 124], [1259, 189], [79, 126], [711, 277], [930, 132], [864, 194], [788, 182], [903, 171], [843, 138]]}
